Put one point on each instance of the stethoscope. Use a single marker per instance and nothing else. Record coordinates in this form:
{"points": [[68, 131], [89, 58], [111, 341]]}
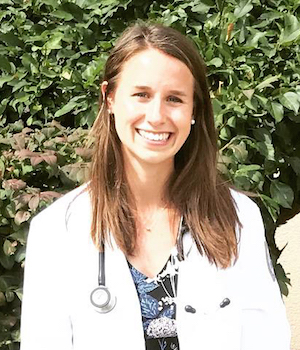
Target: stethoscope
{"points": [[104, 301], [101, 297]]}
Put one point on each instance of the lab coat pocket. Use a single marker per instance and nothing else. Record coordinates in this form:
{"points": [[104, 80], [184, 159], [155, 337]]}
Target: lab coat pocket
{"points": [[221, 327]]}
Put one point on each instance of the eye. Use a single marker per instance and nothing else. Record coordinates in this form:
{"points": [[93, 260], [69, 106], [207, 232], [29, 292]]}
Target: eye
{"points": [[174, 99], [141, 94]]}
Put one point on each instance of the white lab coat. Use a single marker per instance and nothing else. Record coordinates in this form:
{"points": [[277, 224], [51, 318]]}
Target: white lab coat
{"points": [[62, 269]]}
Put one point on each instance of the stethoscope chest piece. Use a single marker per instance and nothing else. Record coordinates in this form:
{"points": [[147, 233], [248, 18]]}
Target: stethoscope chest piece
{"points": [[102, 300]]}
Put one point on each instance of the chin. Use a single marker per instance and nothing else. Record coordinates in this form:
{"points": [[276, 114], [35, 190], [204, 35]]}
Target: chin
{"points": [[157, 160]]}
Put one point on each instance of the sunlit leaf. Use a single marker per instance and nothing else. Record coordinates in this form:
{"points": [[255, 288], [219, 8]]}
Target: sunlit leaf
{"points": [[217, 62], [277, 111], [267, 83], [4, 79], [62, 15], [282, 193], [291, 31], [244, 7], [291, 101]]}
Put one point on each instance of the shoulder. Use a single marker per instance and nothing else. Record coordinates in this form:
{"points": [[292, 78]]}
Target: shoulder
{"points": [[245, 206], [252, 229], [251, 236], [50, 228], [63, 207]]}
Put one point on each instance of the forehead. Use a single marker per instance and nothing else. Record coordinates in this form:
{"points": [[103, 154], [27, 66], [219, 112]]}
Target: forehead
{"points": [[152, 66]]}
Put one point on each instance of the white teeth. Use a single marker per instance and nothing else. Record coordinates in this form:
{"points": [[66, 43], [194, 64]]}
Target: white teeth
{"points": [[154, 137]]}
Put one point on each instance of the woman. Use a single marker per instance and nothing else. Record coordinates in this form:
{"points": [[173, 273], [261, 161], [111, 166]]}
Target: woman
{"points": [[186, 262]]}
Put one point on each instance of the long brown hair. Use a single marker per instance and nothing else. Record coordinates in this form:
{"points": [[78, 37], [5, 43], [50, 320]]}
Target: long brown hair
{"points": [[194, 188]]}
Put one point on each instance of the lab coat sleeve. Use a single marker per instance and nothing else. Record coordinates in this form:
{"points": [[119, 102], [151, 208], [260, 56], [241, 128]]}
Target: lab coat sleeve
{"points": [[264, 321], [45, 322]]}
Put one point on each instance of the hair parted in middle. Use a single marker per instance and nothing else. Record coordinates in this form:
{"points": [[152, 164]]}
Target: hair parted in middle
{"points": [[195, 188]]}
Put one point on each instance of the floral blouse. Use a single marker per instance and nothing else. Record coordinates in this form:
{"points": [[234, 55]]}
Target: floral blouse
{"points": [[157, 298]]}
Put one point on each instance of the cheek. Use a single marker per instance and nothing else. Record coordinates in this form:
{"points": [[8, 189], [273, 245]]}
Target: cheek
{"points": [[182, 119], [125, 112], [125, 117]]}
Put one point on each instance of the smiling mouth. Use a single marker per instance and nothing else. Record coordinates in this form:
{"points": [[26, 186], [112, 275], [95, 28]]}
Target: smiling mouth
{"points": [[154, 136]]}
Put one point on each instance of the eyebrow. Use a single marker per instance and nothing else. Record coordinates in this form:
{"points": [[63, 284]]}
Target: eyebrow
{"points": [[173, 92]]}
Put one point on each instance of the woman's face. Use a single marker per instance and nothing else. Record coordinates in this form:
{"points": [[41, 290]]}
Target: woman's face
{"points": [[152, 106]]}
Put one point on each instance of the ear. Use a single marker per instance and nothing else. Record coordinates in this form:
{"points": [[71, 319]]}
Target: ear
{"points": [[105, 97]]}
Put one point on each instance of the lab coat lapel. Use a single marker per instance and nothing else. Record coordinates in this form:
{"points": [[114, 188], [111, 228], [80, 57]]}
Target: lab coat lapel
{"points": [[203, 287], [127, 312], [120, 328]]}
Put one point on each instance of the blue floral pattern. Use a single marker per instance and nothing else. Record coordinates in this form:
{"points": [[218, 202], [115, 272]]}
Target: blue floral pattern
{"points": [[158, 308]]}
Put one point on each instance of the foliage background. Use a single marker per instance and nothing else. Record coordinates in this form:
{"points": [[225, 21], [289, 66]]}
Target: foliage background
{"points": [[52, 53]]}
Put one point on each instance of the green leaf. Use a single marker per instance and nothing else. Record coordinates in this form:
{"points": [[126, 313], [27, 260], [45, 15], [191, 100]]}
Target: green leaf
{"points": [[92, 71], [201, 8], [19, 236], [10, 296], [5, 79], [11, 39], [7, 261], [262, 100], [7, 282], [19, 85], [225, 133], [291, 31], [2, 299], [10, 210], [240, 151], [267, 83], [245, 169], [282, 193], [50, 73], [20, 254], [217, 62], [267, 150], [220, 5], [232, 122], [9, 247], [5, 64], [54, 42], [74, 10], [277, 111], [53, 3], [295, 163], [265, 146], [253, 40], [66, 108], [30, 63], [290, 100], [282, 278], [263, 134], [2, 169], [248, 93], [62, 15], [19, 293], [272, 206], [244, 7]]}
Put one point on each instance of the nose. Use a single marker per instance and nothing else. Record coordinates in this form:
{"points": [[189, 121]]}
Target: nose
{"points": [[155, 113]]}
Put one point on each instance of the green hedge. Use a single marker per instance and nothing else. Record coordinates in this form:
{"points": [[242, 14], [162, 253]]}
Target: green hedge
{"points": [[52, 55]]}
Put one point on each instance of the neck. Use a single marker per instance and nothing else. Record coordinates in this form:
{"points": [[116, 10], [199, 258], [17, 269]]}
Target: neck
{"points": [[147, 182]]}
